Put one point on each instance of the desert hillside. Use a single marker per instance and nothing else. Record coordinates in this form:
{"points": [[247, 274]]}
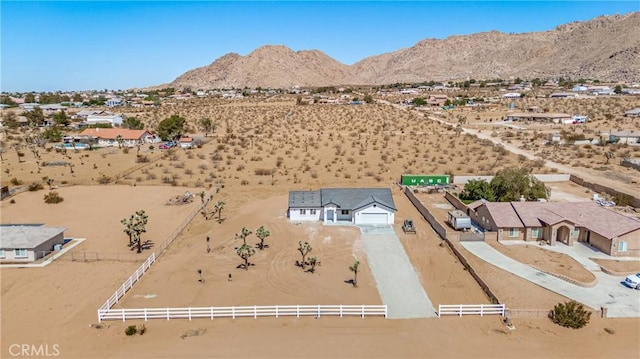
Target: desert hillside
{"points": [[605, 48]]}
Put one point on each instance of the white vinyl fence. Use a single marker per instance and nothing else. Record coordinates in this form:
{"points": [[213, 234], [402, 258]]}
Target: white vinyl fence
{"points": [[127, 284], [250, 311], [471, 309]]}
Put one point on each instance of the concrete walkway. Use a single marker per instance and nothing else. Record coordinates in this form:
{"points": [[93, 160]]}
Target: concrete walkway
{"points": [[609, 292], [396, 279]]}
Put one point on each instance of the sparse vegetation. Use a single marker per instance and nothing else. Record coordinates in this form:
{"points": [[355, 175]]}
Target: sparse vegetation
{"points": [[570, 314]]}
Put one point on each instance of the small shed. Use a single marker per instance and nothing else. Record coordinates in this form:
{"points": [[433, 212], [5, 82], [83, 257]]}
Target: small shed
{"points": [[459, 220]]}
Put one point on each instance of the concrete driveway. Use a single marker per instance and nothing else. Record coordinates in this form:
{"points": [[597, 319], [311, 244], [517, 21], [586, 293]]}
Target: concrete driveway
{"points": [[609, 292], [396, 279]]}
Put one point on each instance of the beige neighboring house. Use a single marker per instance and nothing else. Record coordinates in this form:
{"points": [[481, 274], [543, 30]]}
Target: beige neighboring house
{"points": [[626, 136], [27, 243], [108, 137], [611, 232]]}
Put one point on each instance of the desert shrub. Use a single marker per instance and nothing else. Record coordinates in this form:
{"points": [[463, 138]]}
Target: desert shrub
{"points": [[131, 330], [53, 197], [104, 179], [16, 182], [142, 329], [35, 186], [623, 199], [244, 182], [142, 159], [570, 314]]}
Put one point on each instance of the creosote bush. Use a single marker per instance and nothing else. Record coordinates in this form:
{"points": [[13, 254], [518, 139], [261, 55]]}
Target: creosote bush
{"points": [[131, 330], [52, 198], [35, 186], [570, 314]]}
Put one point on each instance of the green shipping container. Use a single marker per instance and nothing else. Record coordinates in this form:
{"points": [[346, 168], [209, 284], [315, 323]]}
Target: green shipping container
{"points": [[424, 180]]}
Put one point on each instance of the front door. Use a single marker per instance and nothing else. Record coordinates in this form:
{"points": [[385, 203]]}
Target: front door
{"points": [[329, 215]]}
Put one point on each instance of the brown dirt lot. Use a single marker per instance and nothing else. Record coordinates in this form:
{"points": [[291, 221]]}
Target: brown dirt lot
{"points": [[627, 267]]}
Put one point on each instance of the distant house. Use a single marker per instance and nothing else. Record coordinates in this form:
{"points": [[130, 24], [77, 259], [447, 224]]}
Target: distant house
{"points": [[563, 95], [540, 117], [346, 205], [185, 142], [27, 243], [609, 231], [633, 112], [627, 136], [113, 120], [512, 95], [555, 137], [108, 137], [113, 102]]}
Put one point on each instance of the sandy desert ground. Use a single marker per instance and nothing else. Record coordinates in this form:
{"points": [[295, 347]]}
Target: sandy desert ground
{"points": [[302, 147]]}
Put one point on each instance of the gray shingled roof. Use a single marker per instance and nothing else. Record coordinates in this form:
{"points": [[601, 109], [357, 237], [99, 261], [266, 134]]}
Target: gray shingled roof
{"points": [[345, 198], [27, 237], [304, 199]]}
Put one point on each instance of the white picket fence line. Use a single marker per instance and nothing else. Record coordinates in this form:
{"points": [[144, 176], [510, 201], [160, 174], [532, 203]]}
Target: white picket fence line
{"points": [[127, 284], [471, 309], [249, 311]]}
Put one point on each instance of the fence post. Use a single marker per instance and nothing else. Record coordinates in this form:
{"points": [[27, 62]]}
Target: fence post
{"points": [[385, 311], [99, 317], [460, 312], [123, 315], [276, 311], [255, 312], [145, 314], [167, 313], [363, 311], [318, 310], [340, 310], [298, 311], [233, 312], [211, 313], [189, 310], [439, 309], [481, 309]]}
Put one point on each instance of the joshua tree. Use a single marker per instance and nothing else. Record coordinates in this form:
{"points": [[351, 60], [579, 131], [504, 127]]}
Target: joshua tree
{"points": [[609, 155], [128, 224], [304, 249], [354, 269], [120, 140], [262, 234], [139, 226], [313, 262], [201, 279], [244, 233], [245, 252], [201, 194], [207, 126], [50, 183], [219, 206]]}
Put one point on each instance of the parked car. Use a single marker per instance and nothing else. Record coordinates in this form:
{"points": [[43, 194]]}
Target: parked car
{"points": [[633, 281], [166, 145]]}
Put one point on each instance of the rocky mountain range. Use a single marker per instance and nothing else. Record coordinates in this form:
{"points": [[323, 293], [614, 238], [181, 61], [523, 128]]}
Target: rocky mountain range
{"points": [[605, 48]]}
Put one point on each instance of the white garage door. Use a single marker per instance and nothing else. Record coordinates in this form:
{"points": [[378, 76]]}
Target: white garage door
{"points": [[373, 218]]}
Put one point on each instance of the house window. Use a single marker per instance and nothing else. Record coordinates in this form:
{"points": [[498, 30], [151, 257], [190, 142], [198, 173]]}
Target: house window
{"points": [[514, 232], [535, 233], [344, 211], [622, 246], [1, 253], [303, 211], [20, 253], [312, 211], [575, 233]]}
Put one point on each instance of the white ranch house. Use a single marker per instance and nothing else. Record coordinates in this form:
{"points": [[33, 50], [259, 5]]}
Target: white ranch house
{"points": [[27, 243], [343, 205], [110, 137]]}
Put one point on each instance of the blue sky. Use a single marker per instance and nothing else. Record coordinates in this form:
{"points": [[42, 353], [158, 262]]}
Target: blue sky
{"points": [[83, 45]]}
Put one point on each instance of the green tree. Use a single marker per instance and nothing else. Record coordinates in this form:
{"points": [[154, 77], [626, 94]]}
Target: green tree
{"points": [[132, 123], [304, 249], [617, 89], [510, 184], [171, 128], [61, 119], [244, 233], [476, 189], [419, 101], [245, 252], [262, 233], [52, 134], [206, 125], [354, 268], [30, 98], [35, 116]]}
